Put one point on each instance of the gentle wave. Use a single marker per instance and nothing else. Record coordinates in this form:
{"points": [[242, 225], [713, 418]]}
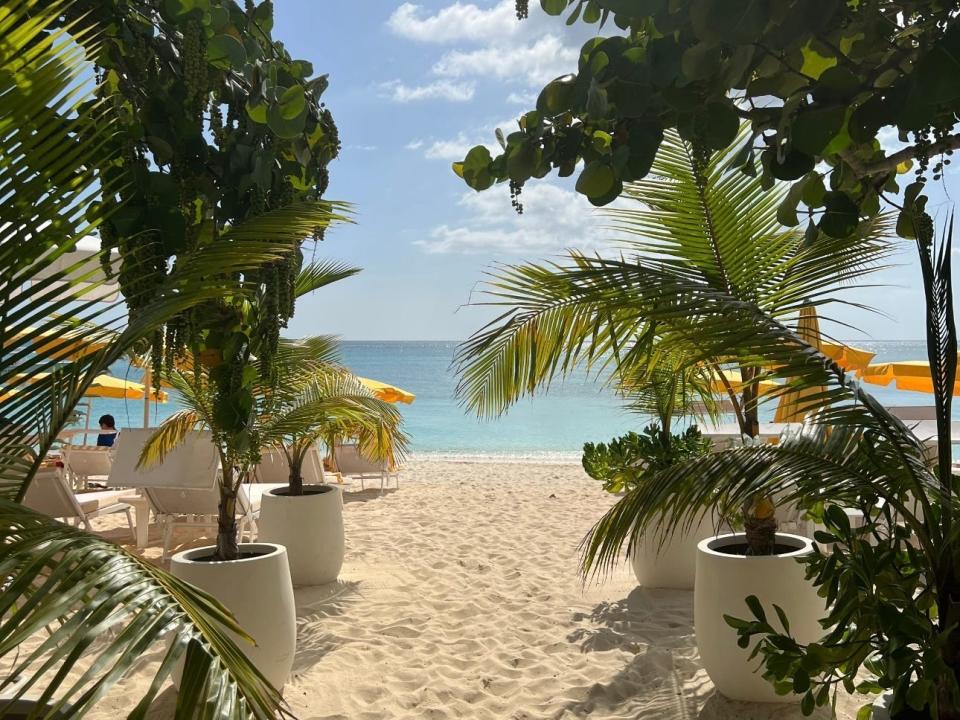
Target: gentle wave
{"points": [[524, 458]]}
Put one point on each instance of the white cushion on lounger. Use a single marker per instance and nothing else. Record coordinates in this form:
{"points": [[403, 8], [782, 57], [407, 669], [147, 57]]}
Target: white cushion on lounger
{"points": [[90, 501]]}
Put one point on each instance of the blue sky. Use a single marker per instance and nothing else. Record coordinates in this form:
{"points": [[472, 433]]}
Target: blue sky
{"points": [[412, 86]]}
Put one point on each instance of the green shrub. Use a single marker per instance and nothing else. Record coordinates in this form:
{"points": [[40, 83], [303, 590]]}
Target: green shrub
{"points": [[622, 463]]}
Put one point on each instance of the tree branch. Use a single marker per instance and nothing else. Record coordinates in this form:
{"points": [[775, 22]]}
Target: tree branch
{"points": [[890, 162]]}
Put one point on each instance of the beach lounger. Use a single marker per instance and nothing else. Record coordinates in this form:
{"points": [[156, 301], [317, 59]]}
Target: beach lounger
{"points": [[50, 493], [913, 412], [273, 467], [84, 463], [183, 490], [351, 463]]}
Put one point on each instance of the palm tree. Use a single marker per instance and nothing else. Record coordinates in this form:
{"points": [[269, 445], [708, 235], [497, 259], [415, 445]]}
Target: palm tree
{"points": [[60, 582], [695, 232], [307, 395], [891, 584]]}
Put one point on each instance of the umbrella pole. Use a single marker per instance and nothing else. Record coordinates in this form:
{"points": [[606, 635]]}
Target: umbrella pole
{"points": [[147, 382], [86, 427]]}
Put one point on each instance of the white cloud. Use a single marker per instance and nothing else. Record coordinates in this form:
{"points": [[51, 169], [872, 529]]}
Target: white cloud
{"points": [[438, 90], [490, 44], [535, 64], [553, 220], [454, 149], [889, 139], [525, 99], [457, 22]]}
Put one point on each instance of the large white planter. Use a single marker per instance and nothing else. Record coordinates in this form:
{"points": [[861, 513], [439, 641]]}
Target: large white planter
{"points": [[723, 581], [672, 564], [310, 526], [258, 591]]}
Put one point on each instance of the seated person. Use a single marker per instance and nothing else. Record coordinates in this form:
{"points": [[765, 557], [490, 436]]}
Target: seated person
{"points": [[108, 431]]}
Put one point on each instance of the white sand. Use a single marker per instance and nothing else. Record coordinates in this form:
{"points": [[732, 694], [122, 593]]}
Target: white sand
{"points": [[460, 598]]}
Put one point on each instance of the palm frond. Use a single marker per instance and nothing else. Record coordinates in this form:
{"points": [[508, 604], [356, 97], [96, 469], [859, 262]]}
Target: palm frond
{"points": [[171, 434], [103, 604], [688, 235], [52, 128], [320, 274]]}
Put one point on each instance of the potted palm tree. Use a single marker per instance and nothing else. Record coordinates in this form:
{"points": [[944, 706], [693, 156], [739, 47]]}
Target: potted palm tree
{"points": [[308, 519], [245, 577], [696, 232], [625, 462]]}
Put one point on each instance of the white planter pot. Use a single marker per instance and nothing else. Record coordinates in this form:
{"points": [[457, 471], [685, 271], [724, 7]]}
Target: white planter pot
{"points": [[258, 591], [722, 584], [310, 526], [673, 564]]}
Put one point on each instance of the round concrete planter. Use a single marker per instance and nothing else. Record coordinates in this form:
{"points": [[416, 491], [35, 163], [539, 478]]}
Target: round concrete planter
{"points": [[258, 591], [672, 564], [310, 526], [723, 581]]}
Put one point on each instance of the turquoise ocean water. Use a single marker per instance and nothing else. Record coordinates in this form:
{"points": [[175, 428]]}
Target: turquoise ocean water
{"points": [[552, 426]]}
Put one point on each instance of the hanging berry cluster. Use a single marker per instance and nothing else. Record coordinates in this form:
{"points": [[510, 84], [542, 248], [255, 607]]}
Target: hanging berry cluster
{"points": [[516, 188]]}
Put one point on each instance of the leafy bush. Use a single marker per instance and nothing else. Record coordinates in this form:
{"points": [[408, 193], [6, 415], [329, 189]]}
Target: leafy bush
{"points": [[622, 463]]}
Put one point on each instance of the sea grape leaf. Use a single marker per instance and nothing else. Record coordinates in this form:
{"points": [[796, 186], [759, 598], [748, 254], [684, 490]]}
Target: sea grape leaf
{"points": [[225, 52], [596, 179]]}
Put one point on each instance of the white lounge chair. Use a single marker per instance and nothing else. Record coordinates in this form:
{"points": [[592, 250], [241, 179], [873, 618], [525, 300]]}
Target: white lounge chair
{"points": [[183, 490], [909, 413], [273, 467], [50, 494], [351, 463], [84, 463]]}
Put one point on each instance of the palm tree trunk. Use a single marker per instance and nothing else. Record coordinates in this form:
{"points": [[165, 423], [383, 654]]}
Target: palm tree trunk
{"points": [[296, 477], [227, 548], [760, 530]]}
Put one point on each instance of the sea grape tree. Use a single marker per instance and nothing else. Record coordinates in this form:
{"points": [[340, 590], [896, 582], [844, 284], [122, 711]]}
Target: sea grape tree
{"points": [[216, 125], [820, 82]]}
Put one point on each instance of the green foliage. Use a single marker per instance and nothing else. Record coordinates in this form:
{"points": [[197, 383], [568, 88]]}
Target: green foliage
{"points": [[697, 233], [85, 598], [308, 397], [817, 81], [624, 462], [224, 383], [889, 583], [882, 617], [215, 125]]}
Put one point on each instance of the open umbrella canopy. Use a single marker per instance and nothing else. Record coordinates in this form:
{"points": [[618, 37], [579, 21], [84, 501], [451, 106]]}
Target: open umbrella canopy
{"points": [[103, 386], [733, 377], [795, 404], [387, 392], [851, 359], [906, 374], [108, 386]]}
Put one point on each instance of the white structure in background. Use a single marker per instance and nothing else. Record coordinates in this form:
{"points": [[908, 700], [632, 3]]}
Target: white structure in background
{"points": [[95, 280]]}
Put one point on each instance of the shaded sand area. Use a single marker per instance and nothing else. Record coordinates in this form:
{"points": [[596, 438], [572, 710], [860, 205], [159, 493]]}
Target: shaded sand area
{"points": [[460, 598]]}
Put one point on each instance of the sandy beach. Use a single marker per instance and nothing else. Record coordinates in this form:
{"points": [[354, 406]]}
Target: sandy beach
{"points": [[459, 598]]}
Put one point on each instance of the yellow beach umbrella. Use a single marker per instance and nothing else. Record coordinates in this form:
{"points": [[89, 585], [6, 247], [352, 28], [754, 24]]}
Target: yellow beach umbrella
{"points": [[735, 380], [387, 392], [103, 386], [794, 404], [850, 358], [906, 374], [107, 386]]}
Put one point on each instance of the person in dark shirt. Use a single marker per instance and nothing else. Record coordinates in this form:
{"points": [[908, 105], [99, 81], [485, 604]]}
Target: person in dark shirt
{"points": [[108, 431]]}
